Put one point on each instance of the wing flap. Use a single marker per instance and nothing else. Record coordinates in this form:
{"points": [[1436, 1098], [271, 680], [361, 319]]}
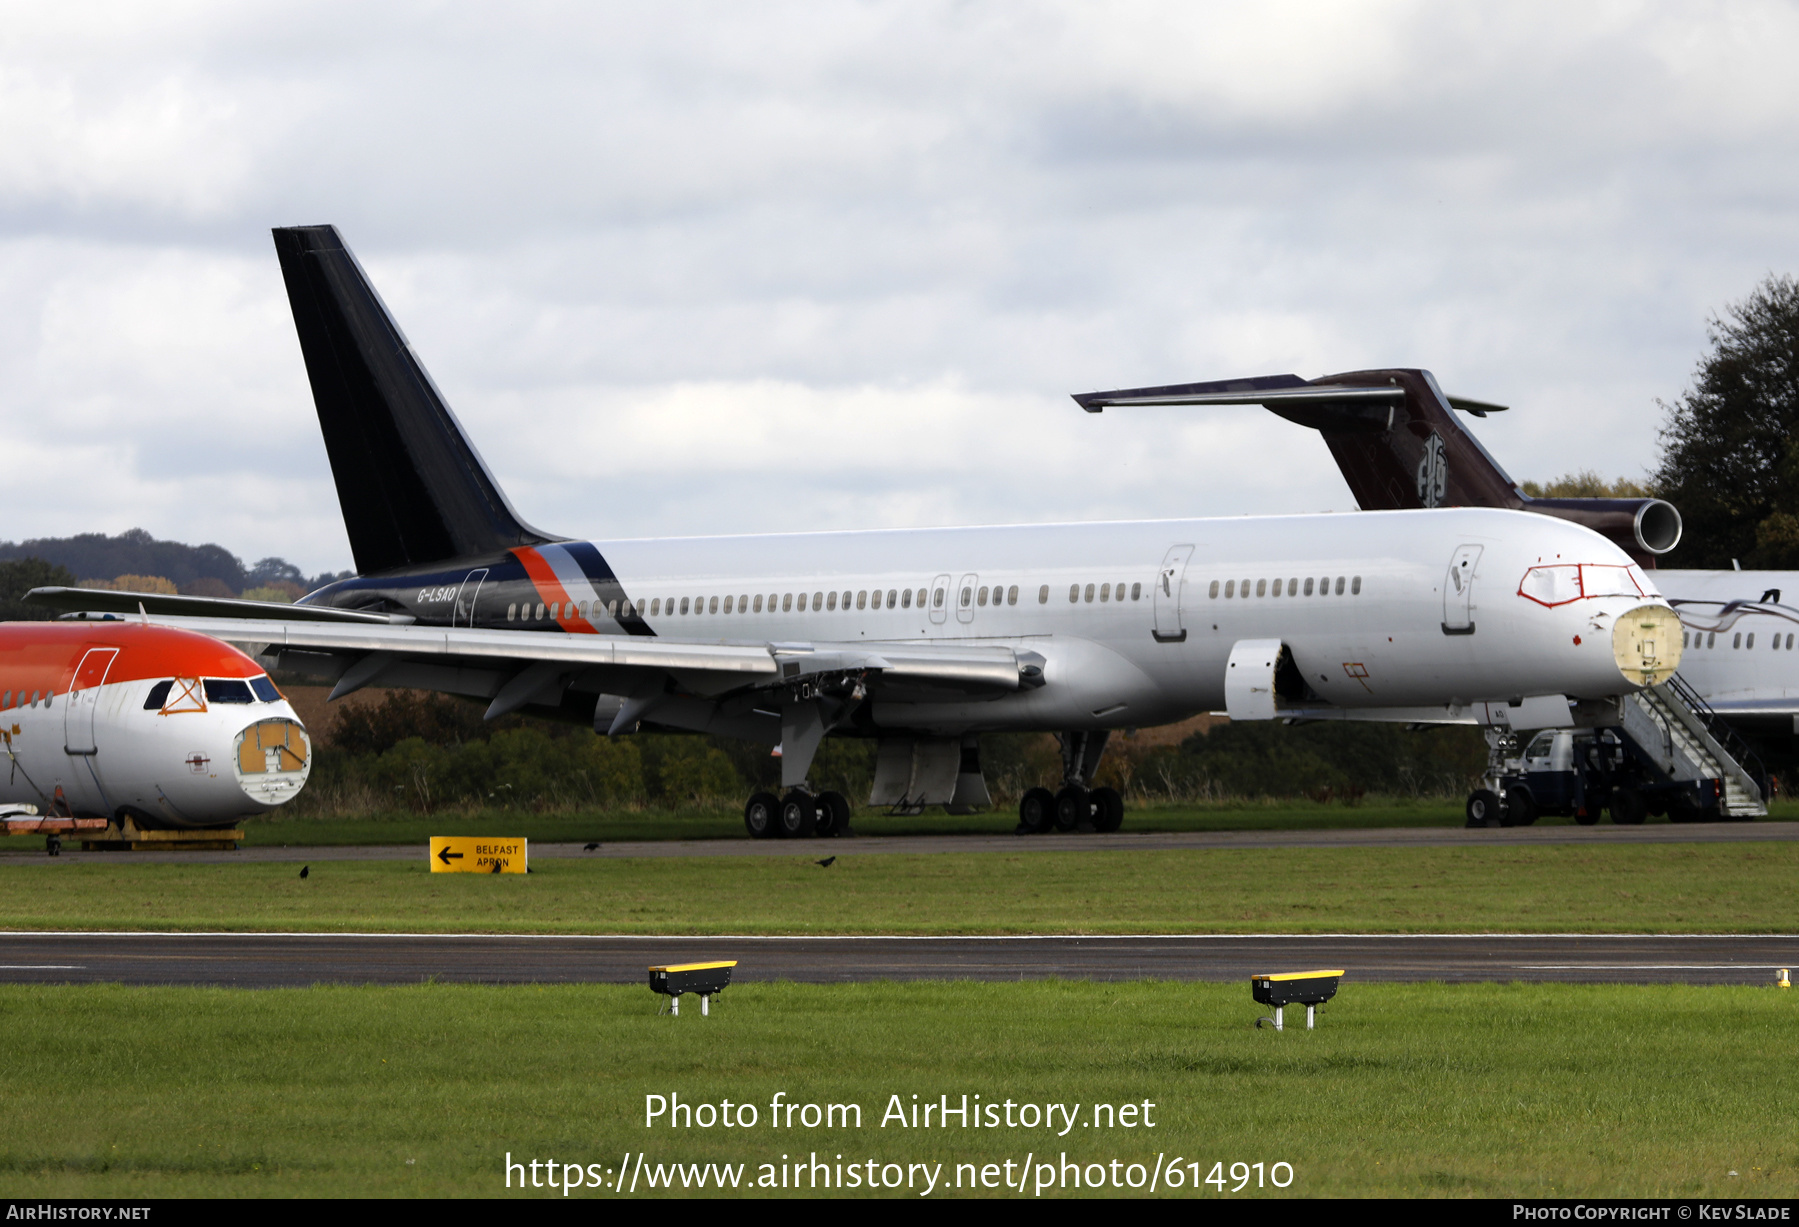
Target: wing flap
{"points": [[983, 665]]}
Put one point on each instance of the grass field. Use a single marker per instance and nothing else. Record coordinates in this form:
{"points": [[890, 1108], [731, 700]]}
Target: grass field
{"points": [[1483, 1090], [400, 827], [1601, 888]]}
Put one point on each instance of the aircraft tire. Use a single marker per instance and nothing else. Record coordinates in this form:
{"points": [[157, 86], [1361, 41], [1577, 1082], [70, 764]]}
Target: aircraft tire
{"points": [[761, 815], [1520, 808], [1484, 808], [799, 816], [1628, 808], [833, 814], [1108, 810], [1074, 807], [1036, 811]]}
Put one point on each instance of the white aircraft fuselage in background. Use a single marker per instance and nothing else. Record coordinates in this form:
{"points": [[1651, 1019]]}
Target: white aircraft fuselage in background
{"points": [[1742, 652]]}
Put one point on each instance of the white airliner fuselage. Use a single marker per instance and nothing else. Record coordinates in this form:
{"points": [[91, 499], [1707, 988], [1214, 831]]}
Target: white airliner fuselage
{"points": [[1367, 608]]}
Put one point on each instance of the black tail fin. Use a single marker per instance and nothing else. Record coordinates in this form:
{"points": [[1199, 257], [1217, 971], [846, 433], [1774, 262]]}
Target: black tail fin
{"points": [[412, 487]]}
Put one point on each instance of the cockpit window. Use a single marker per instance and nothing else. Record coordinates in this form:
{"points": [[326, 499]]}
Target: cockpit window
{"points": [[265, 689], [227, 690], [1565, 582], [159, 694]]}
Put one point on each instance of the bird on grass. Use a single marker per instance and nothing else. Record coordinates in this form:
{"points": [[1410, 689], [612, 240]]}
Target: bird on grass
{"points": [[590, 847], [826, 863], [304, 870]]}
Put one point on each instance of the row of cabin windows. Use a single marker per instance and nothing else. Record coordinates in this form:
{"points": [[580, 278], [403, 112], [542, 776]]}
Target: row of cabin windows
{"points": [[6, 699], [784, 602], [1292, 587], [1710, 640], [1106, 593], [903, 598]]}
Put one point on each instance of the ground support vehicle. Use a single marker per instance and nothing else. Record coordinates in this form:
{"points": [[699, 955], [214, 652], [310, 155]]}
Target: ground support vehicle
{"points": [[1658, 751]]}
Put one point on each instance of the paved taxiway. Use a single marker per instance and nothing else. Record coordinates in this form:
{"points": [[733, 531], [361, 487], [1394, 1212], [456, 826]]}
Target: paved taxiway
{"points": [[928, 845], [283, 959]]}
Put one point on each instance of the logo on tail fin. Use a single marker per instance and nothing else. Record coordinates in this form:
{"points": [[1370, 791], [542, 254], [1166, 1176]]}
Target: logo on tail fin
{"points": [[1433, 472]]}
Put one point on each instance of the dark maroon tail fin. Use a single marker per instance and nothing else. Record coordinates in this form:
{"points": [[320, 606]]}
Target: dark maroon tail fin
{"points": [[1398, 444]]}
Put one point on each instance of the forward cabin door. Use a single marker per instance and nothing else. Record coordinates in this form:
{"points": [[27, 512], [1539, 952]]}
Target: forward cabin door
{"points": [[939, 599], [464, 613], [1168, 595], [84, 700], [1458, 591]]}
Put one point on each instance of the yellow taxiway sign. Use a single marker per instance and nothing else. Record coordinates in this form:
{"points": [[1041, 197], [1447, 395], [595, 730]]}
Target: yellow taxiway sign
{"points": [[477, 854]]}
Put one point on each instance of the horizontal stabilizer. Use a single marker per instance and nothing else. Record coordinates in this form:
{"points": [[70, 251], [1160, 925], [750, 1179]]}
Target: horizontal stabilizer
{"points": [[1212, 394], [1479, 408]]}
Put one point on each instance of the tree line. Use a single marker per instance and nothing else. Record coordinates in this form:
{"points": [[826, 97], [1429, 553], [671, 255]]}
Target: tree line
{"points": [[193, 570]]}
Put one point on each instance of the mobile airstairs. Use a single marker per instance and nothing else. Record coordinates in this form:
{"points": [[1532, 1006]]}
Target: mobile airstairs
{"points": [[1661, 750]]}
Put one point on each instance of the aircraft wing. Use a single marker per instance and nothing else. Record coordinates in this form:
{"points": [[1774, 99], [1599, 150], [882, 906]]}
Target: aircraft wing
{"points": [[95, 600], [662, 676]]}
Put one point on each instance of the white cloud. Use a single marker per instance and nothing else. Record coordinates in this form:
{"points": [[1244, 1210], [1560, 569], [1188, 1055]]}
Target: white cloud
{"points": [[692, 268]]}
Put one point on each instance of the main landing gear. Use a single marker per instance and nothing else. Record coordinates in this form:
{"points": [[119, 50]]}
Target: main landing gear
{"points": [[798, 815], [1075, 807]]}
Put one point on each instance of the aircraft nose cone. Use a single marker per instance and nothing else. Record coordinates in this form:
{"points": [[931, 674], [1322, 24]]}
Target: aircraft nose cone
{"points": [[272, 760], [1646, 644]]}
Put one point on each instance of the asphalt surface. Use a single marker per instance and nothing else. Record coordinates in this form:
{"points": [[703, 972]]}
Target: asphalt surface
{"points": [[273, 960], [25, 850]]}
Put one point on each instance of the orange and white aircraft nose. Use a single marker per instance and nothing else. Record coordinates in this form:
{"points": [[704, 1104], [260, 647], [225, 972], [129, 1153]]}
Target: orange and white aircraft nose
{"points": [[210, 750], [117, 719]]}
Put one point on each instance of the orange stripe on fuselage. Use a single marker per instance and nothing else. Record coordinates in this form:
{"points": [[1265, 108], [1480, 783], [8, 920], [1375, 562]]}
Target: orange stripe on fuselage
{"points": [[44, 655], [543, 578]]}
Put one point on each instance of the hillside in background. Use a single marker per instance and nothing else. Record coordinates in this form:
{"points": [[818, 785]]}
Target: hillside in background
{"points": [[196, 570]]}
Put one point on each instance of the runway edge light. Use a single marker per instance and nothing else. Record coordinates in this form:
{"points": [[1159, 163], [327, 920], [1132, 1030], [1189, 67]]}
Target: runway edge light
{"points": [[1783, 980], [1282, 989], [706, 979], [479, 854]]}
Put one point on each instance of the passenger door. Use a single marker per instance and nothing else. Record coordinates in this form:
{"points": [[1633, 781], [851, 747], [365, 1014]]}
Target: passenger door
{"points": [[464, 613], [84, 700], [940, 599], [1458, 591], [1168, 595]]}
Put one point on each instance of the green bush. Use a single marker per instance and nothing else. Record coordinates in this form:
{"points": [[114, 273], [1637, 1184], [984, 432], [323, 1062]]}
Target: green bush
{"points": [[426, 753]]}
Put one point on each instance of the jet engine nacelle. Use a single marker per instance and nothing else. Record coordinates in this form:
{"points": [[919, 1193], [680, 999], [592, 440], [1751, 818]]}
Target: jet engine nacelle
{"points": [[1634, 525]]}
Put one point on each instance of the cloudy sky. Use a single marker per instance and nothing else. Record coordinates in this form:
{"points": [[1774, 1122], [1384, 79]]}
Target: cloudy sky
{"points": [[723, 268]]}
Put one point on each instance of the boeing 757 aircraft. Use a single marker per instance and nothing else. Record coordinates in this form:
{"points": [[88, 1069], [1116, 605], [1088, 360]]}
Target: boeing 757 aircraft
{"points": [[921, 639]]}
